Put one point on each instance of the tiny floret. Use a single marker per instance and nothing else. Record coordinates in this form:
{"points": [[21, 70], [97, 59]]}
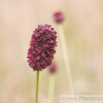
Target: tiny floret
{"points": [[42, 47], [58, 17]]}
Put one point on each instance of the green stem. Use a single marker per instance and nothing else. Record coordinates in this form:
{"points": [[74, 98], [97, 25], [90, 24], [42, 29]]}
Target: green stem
{"points": [[66, 59], [37, 84], [51, 88]]}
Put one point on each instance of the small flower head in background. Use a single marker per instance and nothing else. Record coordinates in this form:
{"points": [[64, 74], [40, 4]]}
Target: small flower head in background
{"points": [[58, 17], [42, 47], [53, 68]]}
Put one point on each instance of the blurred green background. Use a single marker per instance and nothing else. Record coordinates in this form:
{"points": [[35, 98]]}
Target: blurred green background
{"points": [[83, 27]]}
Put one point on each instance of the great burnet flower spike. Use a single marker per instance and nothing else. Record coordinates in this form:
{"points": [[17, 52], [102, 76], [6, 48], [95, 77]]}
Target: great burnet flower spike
{"points": [[53, 68], [58, 17], [51, 89], [42, 47]]}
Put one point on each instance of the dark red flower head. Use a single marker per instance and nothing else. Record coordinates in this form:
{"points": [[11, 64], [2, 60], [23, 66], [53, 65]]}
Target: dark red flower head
{"points": [[58, 17], [53, 68], [42, 47]]}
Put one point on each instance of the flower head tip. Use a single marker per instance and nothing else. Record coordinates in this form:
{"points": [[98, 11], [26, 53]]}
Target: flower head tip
{"points": [[58, 17], [53, 68]]}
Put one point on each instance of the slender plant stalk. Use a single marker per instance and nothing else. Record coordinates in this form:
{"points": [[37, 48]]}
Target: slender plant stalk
{"points": [[66, 59], [51, 88], [37, 84]]}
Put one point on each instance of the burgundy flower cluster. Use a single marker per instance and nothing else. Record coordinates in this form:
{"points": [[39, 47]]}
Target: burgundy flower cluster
{"points": [[58, 17], [53, 68], [42, 47]]}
